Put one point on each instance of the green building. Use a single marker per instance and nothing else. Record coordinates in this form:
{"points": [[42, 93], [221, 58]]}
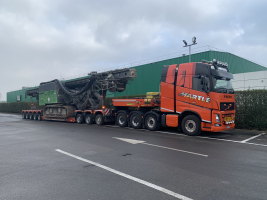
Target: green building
{"points": [[149, 73]]}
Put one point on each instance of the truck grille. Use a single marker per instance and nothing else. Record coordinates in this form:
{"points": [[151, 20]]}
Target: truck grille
{"points": [[227, 106]]}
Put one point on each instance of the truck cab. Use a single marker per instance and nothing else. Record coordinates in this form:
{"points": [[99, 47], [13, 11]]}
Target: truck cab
{"points": [[201, 94]]}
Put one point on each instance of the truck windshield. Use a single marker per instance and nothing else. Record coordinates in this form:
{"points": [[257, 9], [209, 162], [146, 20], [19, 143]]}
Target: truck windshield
{"points": [[222, 85]]}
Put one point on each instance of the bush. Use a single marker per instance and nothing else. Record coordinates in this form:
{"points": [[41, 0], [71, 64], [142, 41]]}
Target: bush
{"points": [[17, 107], [251, 109]]}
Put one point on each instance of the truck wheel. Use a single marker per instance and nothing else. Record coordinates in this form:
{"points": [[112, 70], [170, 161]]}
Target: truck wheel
{"points": [[39, 117], [122, 120], [80, 119], [99, 119], [89, 119], [191, 125], [136, 121], [151, 123]]}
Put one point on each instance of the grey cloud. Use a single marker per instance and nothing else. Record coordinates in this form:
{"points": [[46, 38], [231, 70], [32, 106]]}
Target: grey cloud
{"points": [[43, 40]]}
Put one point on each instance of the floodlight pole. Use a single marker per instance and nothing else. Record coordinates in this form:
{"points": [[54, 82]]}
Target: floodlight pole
{"points": [[186, 45]]}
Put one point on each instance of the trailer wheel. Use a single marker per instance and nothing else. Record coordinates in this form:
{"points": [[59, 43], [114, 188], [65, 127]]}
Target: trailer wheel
{"points": [[23, 116], [27, 115], [191, 125], [136, 121], [31, 116], [151, 123], [39, 117], [80, 119], [89, 119], [99, 119], [122, 120], [35, 116]]}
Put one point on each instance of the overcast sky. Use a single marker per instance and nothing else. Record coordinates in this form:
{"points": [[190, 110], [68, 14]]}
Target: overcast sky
{"points": [[41, 40]]}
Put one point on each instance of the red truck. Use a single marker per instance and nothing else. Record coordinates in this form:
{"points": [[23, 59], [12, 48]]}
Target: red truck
{"points": [[194, 96]]}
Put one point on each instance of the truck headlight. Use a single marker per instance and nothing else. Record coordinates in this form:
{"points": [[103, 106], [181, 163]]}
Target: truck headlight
{"points": [[218, 119]]}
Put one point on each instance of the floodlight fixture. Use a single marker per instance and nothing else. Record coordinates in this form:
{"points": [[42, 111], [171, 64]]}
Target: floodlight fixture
{"points": [[194, 41]]}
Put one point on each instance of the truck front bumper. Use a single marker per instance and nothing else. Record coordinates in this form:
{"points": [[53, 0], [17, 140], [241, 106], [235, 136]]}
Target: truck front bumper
{"points": [[219, 128]]}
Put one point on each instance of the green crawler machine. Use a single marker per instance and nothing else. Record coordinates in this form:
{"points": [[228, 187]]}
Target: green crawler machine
{"points": [[61, 99]]}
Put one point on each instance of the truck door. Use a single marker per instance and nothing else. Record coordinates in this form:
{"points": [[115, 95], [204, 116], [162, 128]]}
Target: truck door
{"points": [[201, 97]]}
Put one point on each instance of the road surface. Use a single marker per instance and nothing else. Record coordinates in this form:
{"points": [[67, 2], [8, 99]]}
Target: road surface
{"points": [[58, 160]]}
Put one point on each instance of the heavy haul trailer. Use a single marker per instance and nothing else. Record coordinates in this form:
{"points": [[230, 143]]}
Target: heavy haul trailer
{"points": [[194, 97], [64, 101]]}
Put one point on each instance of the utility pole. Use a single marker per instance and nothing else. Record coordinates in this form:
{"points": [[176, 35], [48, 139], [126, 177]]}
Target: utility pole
{"points": [[186, 45]]}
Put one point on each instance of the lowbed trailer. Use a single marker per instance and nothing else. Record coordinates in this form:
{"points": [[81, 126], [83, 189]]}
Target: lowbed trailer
{"points": [[194, 97]]}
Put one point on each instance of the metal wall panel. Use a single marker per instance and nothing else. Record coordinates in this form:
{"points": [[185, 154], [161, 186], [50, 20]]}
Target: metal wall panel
{"points": [[12, 96]]}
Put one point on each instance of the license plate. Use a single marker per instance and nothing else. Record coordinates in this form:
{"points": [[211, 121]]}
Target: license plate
{"points": [[226, 119], [227, 126]]}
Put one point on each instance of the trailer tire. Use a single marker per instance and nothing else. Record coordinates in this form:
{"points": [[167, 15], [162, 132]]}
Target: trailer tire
{"points": [[80, 119], [89, 119], [27, 116], [39, 117], [99, 119], [35, 116], [151, 123], [31, 116], [136, 121], [122, 119], [191, 125], [23, 116]]}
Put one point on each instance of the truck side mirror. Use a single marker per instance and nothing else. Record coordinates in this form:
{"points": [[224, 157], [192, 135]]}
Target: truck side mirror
{"points": [[206, 84]]}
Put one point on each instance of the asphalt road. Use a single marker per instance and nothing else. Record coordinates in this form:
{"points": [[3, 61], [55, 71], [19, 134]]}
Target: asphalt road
{"points": [[57, 160]]}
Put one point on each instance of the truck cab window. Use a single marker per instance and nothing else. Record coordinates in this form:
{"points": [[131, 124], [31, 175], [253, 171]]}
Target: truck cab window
{"points": [[196, 84], [222, 85]]}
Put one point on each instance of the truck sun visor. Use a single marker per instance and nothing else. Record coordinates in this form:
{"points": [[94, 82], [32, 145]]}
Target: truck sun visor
{"points": [[221, 73]]}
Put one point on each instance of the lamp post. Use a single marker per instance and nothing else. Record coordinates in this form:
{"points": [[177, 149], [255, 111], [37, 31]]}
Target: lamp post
{"points": [[186, 45]]}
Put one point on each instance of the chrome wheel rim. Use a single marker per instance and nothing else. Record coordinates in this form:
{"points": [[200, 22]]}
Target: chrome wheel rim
{"points": [[98, 120], [190, 126], [135, 121], [151, 122], [121, 119]]}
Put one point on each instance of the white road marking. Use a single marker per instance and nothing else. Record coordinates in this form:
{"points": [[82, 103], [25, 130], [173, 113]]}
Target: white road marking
{"points": [[161, 189], [144, 142], [202, 137], [251, 138], [130, 140]]}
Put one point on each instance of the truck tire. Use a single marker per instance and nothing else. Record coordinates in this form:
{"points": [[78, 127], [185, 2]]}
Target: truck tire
{"points": [[191, 125], [151, 123], [122, 119], [136, 121], [80, 119], [39, 117], [99, 119], [89, 119]]}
